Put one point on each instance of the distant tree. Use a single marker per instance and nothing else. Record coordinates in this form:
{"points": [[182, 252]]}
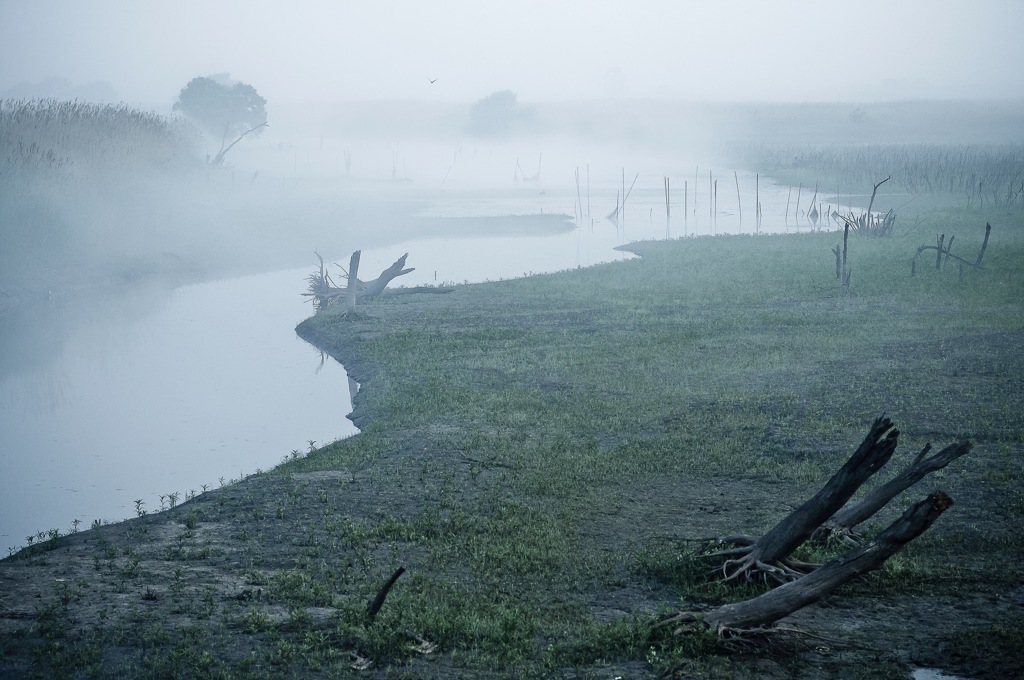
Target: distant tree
{"points": [[222, 106], [497, 114]]}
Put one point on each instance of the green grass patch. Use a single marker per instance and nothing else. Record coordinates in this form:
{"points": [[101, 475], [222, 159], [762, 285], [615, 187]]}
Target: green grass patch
{"points": [[537, 454]]}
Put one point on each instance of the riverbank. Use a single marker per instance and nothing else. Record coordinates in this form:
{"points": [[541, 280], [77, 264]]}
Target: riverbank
{"points": [[112, 394], [536, 452]]}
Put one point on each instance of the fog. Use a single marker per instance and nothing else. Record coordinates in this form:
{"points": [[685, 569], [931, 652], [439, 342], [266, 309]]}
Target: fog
{"points": [[322, 50], [374, 113], [380, 138]]}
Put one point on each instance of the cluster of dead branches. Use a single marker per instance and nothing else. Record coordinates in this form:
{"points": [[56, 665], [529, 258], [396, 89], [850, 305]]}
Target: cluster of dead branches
{"points": [[825, 518], [944, 252], [868, 224], [324, 293]]}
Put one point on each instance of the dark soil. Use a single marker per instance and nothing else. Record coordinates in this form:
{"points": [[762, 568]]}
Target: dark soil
{"points": [[233, 573]]}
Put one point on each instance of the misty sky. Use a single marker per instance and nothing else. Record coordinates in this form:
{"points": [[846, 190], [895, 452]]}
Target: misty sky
{"points": [[322, 50]]}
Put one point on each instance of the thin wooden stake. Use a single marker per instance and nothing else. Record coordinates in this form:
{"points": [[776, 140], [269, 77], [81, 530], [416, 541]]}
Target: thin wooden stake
{"points": [[846, 270], [711, 199], [378, 602], [579, 199], [588, 196], [984, 245], [790, 196], [696, 180], [739, 203], [668, 209], [796, 214], [757, 202]]}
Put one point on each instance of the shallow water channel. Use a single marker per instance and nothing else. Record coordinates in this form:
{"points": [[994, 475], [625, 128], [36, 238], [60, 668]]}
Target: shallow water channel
{"points": [[157, 393]]}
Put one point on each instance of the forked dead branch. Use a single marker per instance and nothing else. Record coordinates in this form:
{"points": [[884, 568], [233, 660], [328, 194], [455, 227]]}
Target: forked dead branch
{"points": [[944, 252], [757, 616], [799, 583], [843, 525], [323, 292], [771, 556], [869, 224]]}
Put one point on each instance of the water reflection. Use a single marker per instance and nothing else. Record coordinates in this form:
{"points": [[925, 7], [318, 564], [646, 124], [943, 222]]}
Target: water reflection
{"points": [[155, 391], [353, 386], [209, 382]]}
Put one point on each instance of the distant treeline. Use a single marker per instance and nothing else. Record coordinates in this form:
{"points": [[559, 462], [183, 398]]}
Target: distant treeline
{"points": [[682, 125]]}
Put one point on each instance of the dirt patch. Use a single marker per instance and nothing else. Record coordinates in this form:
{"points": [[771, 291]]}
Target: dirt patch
{"points": [[535, 546], [247, 564]]}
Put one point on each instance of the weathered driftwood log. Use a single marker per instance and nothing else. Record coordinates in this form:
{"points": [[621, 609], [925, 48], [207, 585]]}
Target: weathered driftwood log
{"points": [[436, 290], [370, 289], [324, 292], [770, 555], [758, 614], [353, 279], [843, 523]]}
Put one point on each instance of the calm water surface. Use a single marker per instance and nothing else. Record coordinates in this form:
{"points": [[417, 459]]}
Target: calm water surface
{"points": [[210, 383], [158, 393]]}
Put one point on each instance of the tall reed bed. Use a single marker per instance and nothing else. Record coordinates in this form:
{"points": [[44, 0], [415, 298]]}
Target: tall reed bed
{"points": [[41, 138], [977, 175], [66, 165]]}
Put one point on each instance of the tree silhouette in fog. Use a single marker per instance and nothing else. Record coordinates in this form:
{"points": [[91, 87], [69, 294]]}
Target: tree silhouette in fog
{"points": [[497, 114], [223, 107]]}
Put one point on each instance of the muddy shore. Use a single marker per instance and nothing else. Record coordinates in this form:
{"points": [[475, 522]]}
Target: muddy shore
{"points": [[538, 483]]}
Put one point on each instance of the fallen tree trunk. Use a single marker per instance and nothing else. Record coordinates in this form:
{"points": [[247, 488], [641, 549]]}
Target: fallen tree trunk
{"points": [[843, 522], [758, 614], [769, 555], [371, 289], [437, 290], [324, 293]]}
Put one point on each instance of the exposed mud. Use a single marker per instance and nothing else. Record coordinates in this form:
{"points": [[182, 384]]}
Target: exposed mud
{"points": [[238, 573]]}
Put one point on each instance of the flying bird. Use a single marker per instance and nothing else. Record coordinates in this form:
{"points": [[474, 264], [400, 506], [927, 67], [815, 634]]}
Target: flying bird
{"points": [[432, 80]]}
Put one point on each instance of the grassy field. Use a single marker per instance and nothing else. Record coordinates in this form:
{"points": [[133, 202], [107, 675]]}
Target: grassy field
{"points": [[536, 454]]}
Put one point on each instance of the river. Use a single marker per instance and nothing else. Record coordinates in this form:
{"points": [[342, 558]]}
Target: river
{"points": [[155, 395]]}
